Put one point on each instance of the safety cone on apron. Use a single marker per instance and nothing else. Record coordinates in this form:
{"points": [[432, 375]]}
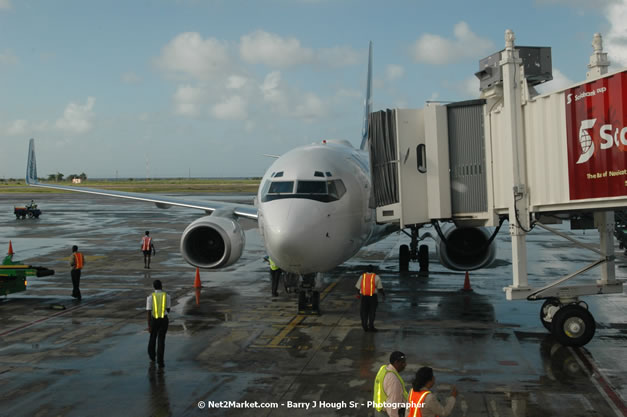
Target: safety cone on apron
{"points": [[467, 286]]}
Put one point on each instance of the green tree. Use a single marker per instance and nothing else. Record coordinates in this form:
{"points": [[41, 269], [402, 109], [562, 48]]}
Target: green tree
{"points": [[59, 177], [83, 176]]}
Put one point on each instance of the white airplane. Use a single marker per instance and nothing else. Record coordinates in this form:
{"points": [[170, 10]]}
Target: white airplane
{"points": [[312, 210]]}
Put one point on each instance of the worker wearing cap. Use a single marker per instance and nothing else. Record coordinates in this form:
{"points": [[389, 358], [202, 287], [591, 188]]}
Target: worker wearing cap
{"points": [[77, 261], [389, 388], [368, 285], [157, 309]]}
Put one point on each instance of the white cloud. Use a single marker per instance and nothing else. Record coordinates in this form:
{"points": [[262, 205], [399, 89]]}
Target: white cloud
{"points": [[339, 56], [311, 107], [558, 82], [77, 118], [131, 78], [188, 100], [188, 54], [235, 82], [5, 5], [616, 40], [7, 58], [17, 128], [436, 50], [470, 87], [394, 72], [270, 88], [273, 50], [233, 108]]}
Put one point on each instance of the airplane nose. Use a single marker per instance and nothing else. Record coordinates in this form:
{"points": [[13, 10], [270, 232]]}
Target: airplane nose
{"points": [[289, 228]]}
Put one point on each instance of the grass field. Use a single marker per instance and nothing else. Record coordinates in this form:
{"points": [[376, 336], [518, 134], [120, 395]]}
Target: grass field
{"points": [[173, 185]]}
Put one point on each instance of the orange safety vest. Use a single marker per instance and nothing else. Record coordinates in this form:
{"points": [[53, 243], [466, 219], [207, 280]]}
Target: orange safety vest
{"points": [[146, 241], [367, 284], [416, 402], [78, 260]]}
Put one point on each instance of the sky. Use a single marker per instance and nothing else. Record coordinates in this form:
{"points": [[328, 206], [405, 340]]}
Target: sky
{"points": [[204, 88]]}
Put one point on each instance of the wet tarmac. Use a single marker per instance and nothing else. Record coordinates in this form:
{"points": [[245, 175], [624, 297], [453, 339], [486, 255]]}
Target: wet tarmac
{"points": [[241, 348]]}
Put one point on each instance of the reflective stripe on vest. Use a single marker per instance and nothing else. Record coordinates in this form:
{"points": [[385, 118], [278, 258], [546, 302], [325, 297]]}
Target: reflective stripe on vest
{"points": [[380, 396], [158, 305], [367, 284], [146, 243], [272, 265], [416, 402], [78, 260]]}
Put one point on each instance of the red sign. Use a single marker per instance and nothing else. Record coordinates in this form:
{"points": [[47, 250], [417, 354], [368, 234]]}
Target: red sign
{"points": [[596, 134]]}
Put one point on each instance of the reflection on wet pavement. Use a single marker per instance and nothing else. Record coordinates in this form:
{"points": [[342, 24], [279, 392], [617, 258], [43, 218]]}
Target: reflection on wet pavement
{"points": [[233, 342]]}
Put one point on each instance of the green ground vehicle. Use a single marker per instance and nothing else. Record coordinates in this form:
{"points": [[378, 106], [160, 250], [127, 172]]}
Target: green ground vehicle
{"points": [[14, 278]]}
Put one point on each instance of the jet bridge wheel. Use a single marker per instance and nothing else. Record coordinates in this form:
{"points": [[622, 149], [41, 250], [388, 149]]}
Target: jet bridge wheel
{"points": [[547, 312], [573, 325], [403, 258]]}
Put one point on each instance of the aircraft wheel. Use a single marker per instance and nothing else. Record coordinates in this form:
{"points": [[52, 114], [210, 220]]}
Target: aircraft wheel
{"points": [[403, 258], [315, 301], [547, 312], [573, 325], [302, 300], [423, 257]]}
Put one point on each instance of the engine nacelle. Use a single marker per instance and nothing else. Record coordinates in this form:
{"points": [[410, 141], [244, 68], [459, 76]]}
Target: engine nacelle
{"points": [[212, 242], [467, 248]]}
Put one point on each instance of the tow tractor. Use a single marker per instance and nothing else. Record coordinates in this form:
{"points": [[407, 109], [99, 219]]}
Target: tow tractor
{"points": [[30, 210]]}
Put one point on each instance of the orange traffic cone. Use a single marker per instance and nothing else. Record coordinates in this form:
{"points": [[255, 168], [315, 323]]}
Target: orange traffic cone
{"points": [[10, 252], [197, 283], [467, 283], [197, 296]]}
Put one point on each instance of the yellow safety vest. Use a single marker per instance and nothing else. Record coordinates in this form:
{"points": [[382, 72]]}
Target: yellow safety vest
{"points": [[158, 305], [272, 265], [379, 393]]}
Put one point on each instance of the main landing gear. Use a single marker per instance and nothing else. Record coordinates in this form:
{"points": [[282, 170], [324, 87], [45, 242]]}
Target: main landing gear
{"points": [[413, 252], [570, 322]]}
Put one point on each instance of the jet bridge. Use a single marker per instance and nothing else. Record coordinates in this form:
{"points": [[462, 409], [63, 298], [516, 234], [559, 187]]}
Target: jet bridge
{"points": [[514, 155]]}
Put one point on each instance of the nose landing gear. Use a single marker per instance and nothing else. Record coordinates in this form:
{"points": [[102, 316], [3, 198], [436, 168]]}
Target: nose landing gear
{"points": [[308, 295]]}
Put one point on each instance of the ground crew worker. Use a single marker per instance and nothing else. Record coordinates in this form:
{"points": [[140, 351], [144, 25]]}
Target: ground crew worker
{"points": [[389, 388], [422, 402], [275, 273], [148, 248], [157, 309], [368, 285], [77, 261]]}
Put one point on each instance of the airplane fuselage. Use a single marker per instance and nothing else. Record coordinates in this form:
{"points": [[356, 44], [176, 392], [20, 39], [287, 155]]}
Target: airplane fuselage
{"points": [[313, 207]]}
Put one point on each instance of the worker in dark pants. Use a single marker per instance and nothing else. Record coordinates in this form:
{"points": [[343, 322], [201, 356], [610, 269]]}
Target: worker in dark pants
{"points": [[368, 285], [77, 261], [275, 274], [157, 309]]}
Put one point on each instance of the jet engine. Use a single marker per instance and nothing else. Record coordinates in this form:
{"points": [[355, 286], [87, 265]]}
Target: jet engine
{"points": [[212, 242], [465, 248]]}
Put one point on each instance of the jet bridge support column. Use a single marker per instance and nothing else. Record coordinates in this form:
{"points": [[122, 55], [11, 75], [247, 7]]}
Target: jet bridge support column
{"points": [[511, 66], [604, 221]]}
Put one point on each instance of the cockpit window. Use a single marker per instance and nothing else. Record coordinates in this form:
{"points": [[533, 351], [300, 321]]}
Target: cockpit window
{"points": [[311, 187], [323, 191], [281, 187]]}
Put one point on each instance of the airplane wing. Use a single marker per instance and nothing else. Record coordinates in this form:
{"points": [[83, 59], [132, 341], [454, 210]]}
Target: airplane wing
{"points": [[244, 211]]}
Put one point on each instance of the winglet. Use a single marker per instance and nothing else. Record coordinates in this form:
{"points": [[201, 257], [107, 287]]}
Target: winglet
{"points": [[368, 103], [31, 164]]}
